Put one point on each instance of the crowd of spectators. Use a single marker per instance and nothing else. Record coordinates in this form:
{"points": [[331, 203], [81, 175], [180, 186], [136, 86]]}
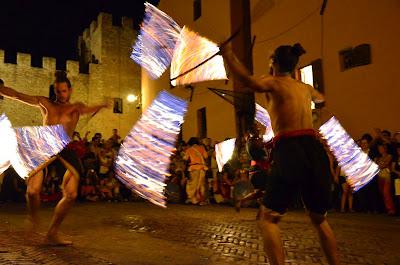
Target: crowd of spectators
{"points": [[194, 177]]}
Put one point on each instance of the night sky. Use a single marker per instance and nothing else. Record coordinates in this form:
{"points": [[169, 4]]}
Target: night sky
{"points": [[51, 28]]}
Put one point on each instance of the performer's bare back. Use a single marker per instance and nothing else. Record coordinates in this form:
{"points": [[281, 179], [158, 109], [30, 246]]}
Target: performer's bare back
{"points": [[289, 103]]}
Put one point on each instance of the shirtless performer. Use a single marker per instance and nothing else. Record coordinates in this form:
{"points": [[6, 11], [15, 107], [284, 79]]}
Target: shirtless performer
{"points": [[60, 111], [299, 159]]}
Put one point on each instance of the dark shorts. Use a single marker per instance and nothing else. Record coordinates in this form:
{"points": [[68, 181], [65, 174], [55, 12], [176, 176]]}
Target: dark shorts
{"points": [[71, 157], [300, 164], [342, 180]]}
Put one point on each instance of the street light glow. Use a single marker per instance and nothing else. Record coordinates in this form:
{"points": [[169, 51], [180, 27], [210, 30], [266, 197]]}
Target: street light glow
{"points": [[131, 98]]}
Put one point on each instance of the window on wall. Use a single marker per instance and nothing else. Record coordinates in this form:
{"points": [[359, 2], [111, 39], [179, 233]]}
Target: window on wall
{"points": [[117, 108], [353, 57], [312, 74], [201, 123], [196, 9]]}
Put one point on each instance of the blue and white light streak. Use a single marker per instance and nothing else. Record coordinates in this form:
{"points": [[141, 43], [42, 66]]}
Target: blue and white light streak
{"points": [[262, 116], [27, 148], [359, 168], [8, 142], [155, 44], [36, 145], [143, 160]]}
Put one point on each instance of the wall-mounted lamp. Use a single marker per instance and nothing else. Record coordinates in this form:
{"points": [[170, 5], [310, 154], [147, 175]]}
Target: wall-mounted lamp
{"points": [[131, 98]]}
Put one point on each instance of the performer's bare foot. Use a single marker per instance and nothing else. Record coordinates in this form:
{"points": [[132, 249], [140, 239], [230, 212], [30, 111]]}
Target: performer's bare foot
{"points": [[55, 240], [32, 225]]}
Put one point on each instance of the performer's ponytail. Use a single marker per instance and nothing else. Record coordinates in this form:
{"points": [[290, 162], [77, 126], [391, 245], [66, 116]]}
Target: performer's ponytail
{"points": [[61, 77], [298, 50], [286, 57]]}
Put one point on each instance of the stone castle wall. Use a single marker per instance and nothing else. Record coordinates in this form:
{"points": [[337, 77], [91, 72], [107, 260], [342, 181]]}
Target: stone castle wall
{"points": [[114, 76]]}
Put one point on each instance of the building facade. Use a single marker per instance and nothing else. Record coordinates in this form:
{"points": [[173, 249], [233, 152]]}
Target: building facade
{"points": [[363, 97]]}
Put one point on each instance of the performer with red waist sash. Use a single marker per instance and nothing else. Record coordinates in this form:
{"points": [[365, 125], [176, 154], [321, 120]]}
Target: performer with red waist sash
{"points": [[300, 162]]}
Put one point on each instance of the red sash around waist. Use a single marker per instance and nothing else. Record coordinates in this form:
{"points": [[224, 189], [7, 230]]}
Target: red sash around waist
{"points": [[295, 133]]}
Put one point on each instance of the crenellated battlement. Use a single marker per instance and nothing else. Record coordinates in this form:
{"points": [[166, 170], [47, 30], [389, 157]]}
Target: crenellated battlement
{"points": [[48, 63], [24, 59]]}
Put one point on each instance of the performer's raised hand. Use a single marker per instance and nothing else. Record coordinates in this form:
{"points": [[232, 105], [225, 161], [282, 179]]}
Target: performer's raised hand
{"points": [[251, 83]]}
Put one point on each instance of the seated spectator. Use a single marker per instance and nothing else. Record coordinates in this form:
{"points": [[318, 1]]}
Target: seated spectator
{"points": [[109, 187], [50, 190], [114, 185], [88, 190], [105, 191], [106, 159]]}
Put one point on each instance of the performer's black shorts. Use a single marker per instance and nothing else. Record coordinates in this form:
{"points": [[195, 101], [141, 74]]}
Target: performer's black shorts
{"points": [[71, 157], [300, 164]]}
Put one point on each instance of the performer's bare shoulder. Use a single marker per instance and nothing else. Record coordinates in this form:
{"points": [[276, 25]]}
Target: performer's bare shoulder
{"points": [[289, 103]]}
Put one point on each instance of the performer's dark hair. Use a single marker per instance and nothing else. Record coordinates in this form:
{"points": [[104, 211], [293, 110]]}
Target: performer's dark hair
{"points": [[193, 141], [286, 57], [1, 82], [61, 77]]}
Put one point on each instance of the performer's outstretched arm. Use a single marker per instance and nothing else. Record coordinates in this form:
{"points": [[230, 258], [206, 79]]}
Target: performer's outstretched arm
{"points": [[253, 84], [316, 96], [83, 109], [27, 99]]}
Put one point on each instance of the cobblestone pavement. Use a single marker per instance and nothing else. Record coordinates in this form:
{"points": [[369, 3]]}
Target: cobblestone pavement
{"points": [[139, 233]]}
